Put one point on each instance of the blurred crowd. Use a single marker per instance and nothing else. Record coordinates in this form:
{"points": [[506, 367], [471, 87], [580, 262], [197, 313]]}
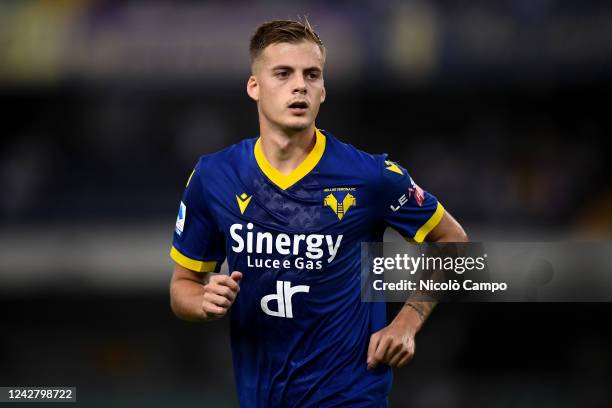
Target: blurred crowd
{"points": [[497, 107]]}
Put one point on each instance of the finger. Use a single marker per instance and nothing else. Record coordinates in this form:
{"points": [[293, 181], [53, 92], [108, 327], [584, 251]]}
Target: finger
{"points": [[212, 309], [218, 300], [405, 360], [397, 357], [394, 348], [225, 280], [224, 291], [236, 276], [374, 339], [382, 348]]}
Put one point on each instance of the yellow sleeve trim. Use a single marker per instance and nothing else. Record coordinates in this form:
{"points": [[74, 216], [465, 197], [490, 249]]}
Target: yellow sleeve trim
{"points": [[430, 224], [192, 264]]}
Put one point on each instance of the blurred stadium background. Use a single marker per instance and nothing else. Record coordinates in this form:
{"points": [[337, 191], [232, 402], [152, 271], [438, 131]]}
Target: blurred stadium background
{"points": [[501, 109]]}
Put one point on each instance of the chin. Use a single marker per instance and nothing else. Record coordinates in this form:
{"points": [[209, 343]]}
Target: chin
{"points": [[297, 126]]}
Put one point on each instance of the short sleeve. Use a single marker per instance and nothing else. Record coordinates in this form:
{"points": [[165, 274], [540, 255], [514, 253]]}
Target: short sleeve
{"points": [[198, 243], [410, 210]]}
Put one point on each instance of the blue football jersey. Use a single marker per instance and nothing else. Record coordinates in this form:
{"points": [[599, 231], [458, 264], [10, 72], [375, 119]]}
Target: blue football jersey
{"points": [[299, 330]]}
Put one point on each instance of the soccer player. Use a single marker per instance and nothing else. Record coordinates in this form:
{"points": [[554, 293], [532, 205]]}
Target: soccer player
{"points": [[288, 210]]}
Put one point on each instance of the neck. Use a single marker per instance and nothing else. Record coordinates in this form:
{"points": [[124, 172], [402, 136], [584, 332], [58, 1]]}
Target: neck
{"points": [[285, 151]]}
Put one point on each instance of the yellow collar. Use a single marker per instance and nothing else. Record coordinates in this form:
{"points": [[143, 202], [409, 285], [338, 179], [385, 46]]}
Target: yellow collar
{"points": [[309, 163]]}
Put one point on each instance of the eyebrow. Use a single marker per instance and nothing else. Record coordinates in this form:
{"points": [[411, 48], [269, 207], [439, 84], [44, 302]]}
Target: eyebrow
{"points": [[287, 67]]}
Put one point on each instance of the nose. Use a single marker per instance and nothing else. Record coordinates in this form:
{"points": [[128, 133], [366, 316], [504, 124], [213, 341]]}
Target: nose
{"points": [[299, 86]]}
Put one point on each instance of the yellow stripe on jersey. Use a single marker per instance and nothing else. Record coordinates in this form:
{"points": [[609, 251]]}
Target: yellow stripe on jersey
{"points": [[192, 264], [286, 181], [430, 224], [189, 180]]}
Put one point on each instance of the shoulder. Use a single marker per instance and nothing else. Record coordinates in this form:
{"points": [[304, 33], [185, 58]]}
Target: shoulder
{"points": [[382, 176], [212, 164], [346, 157]]}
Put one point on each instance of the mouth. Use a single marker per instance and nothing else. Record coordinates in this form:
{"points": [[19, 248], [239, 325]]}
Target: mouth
{"points": [[298, 107]]}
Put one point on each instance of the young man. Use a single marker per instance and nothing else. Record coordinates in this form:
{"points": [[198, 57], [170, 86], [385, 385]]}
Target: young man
{"points": [[288, 210]]}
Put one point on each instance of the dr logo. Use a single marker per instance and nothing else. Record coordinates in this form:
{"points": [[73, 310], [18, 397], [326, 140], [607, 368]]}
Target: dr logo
{"points": [[283, 295]]}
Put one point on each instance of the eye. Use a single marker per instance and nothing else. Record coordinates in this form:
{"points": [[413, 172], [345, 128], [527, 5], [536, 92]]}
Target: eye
{"points": [[314, 75], [281, 74]]}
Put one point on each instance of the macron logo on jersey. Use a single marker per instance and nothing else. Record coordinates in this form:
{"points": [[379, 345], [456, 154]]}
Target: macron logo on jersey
{"points": [[393, 167], [180, 219], [243, 201]]}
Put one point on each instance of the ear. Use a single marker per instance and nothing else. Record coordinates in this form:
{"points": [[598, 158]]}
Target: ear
{"points": [[323, 93], [253, 88]]}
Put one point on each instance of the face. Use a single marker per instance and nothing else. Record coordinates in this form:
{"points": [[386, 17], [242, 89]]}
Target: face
{"points": [[287, 84]]}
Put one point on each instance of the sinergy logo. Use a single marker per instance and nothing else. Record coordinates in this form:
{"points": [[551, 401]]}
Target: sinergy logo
{"points": [[315, 247]]}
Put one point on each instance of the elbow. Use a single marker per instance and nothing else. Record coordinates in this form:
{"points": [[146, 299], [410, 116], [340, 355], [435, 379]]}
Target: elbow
{"points": [[461, 235], [174, 309], [455, 232], [174, 303], [179, 312], [181, 306]]}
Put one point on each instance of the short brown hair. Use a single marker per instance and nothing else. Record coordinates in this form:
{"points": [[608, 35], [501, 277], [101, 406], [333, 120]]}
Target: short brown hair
{"points": [[279, 31]]}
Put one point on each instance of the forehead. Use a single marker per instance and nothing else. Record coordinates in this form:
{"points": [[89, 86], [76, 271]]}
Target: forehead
{"points": [[304, 53]]}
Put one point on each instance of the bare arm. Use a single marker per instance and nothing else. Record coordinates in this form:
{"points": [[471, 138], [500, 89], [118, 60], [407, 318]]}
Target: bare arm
{"points": [[202, 296], [394, 345], [414, 313]]}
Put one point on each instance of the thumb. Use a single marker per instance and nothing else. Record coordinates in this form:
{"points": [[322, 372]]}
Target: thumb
{"points": [[236, 276]]}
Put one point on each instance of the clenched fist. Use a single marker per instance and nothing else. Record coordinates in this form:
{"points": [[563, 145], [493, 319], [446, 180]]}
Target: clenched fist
{"points": [[392, 345], [219, 294]]}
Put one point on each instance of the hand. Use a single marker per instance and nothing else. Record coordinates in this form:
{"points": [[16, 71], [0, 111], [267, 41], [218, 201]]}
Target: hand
{"points": [[393, 345], [219, 294]]}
